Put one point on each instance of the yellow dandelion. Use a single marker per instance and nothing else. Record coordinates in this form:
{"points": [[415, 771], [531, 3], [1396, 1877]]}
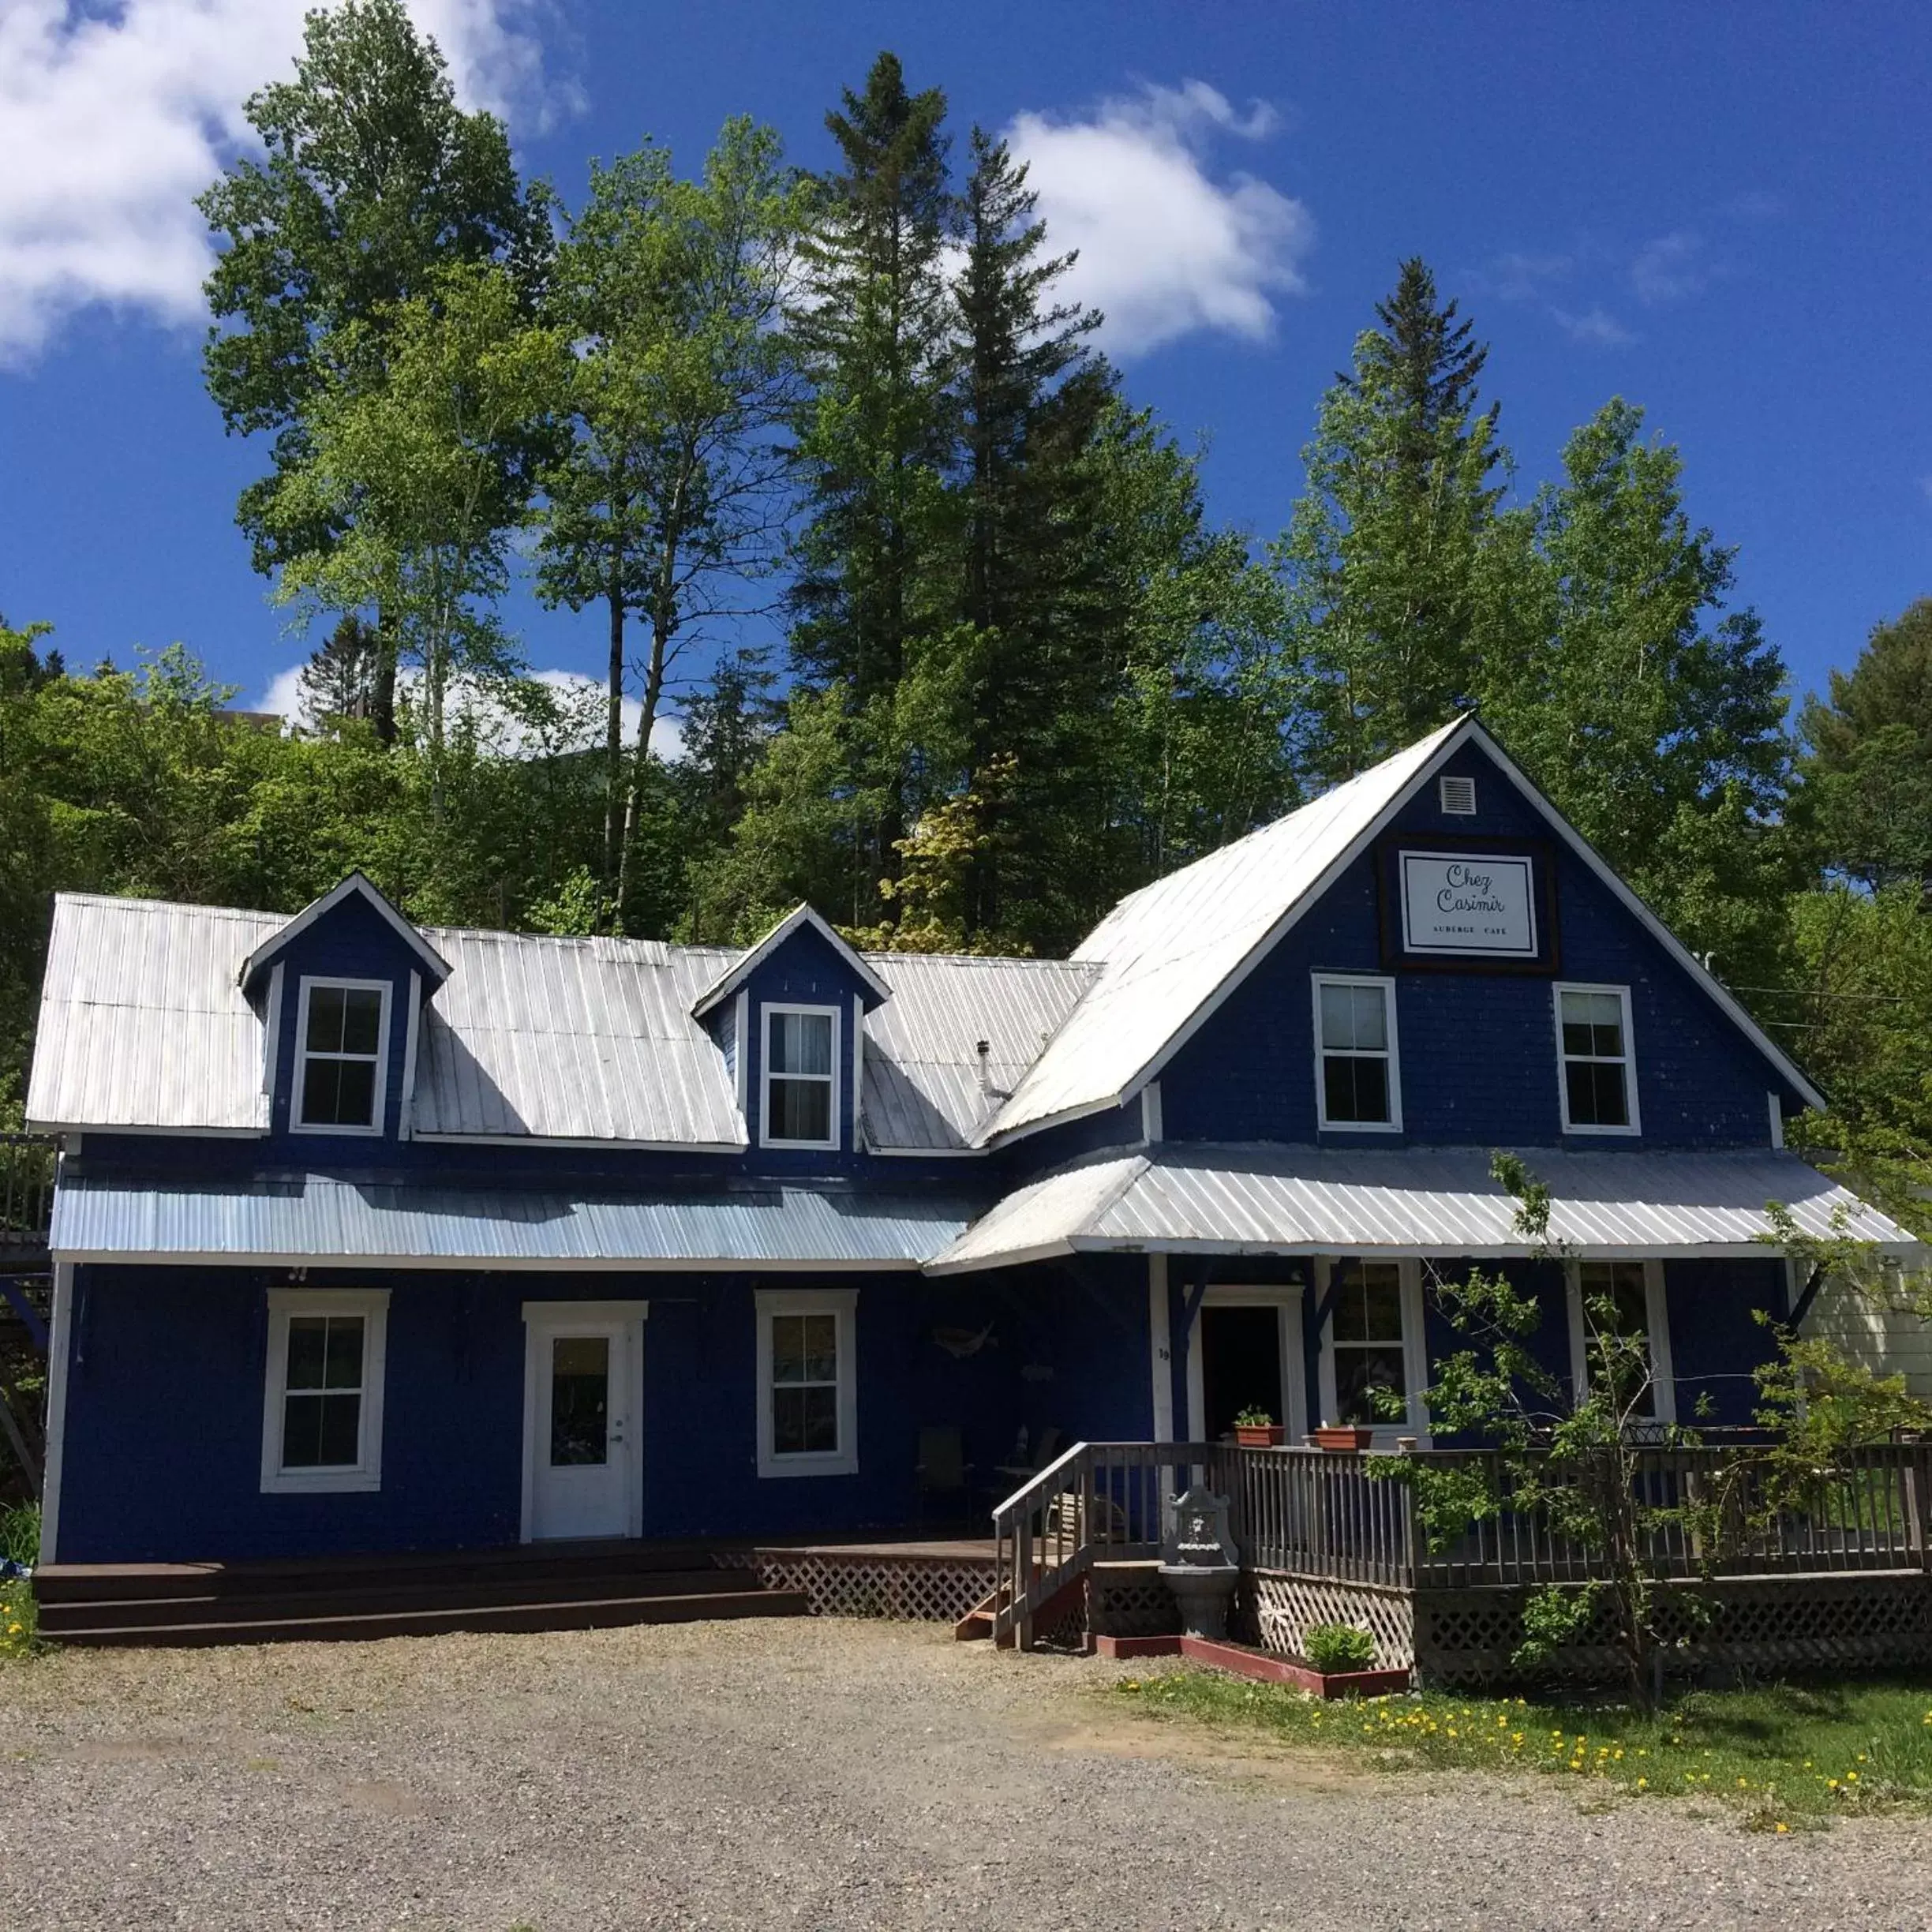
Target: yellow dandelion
{"points": [[1851, 1777], [1643, 1784], [1781, 1826]]}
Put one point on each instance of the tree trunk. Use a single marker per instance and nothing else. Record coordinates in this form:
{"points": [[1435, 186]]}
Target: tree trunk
{"points": [[616, 826], [382, 697]]}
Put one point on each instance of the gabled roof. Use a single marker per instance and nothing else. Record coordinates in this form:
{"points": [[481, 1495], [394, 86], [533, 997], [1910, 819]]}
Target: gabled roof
{"points": [[355, 886], [1171, 953], [728, 982]]}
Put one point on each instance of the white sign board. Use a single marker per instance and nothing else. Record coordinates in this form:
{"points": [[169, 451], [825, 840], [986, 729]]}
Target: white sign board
{"points": [[1479, 904]]}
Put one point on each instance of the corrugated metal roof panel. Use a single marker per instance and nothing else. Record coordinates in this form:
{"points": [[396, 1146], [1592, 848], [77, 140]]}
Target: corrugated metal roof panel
{"points": [[1165, 950], [1418, 1201], [922, 1085], [118, 968], [301, 1219]]}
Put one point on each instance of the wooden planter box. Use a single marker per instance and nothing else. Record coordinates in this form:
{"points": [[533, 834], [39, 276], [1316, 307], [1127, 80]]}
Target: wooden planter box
{"points": [[1260, 1435], [1341, 1437], [1263, 1666]]}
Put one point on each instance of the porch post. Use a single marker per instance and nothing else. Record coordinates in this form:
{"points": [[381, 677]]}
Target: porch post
{"points": [[60, 1345], [1160, 1346]]}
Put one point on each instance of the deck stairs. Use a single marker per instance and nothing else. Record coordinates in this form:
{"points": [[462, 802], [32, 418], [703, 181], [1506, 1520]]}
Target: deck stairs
{"points": [[534, 1587]]}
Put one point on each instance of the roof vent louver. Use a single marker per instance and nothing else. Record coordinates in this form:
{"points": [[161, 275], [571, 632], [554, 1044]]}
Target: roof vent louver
{"points": [[1458, 796]]}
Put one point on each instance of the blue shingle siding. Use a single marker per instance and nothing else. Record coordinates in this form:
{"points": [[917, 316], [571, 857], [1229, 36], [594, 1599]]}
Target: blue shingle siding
{"points": [[1478, 1049]]}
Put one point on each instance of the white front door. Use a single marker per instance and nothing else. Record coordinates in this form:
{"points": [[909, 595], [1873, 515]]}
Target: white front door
{"points": [[580, 1431]]}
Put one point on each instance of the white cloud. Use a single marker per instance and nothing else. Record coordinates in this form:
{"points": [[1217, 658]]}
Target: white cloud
{"points": [[581, 703], [1166, 247], [1669, 269], [115, 116], [1594, 326]]}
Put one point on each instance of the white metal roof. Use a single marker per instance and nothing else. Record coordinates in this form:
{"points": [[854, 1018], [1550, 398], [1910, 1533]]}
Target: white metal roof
{"points": [[297, 1219], [143, 1026], [1426, 1201], [1165, 951]]}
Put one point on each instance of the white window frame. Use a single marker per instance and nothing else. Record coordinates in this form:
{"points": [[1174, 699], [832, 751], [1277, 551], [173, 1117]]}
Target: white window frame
{"points": [[1287, 1302], [380, 1114], [1656, 1322], [1635, 1125], [1386, 986], [771, 1008], [365, 1473], [842, 1304], [1415, 1356]]}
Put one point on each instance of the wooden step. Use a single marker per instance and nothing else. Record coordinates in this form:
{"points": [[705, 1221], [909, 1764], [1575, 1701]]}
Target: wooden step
{"points": [[976, 1625], [301, 1625], [382, 1595]]}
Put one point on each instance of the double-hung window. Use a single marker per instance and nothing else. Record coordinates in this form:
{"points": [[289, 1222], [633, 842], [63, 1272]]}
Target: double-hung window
{"points": [[1597, 1071], [343, 1031], [1619, 1338], [801, 1076], [1373, 1344], [1357, 1079], [322, 1408], [807, 1376]]}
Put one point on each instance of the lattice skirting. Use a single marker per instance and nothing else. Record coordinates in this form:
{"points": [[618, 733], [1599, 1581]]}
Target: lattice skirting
{"points": [[917, 1588], [1275, 1608], [1129, 1599], [1466, 1637]]}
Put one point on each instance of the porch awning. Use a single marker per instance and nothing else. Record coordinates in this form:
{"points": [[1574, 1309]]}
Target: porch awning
{"points": [[1420, 1201], [306, 1220]]}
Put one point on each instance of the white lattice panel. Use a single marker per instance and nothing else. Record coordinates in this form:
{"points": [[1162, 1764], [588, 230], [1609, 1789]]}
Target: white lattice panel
{"points": [[1280, 1608], [906, 1589]]}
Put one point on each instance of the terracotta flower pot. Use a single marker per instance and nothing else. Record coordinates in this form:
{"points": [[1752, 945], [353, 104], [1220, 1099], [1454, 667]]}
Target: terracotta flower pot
{"points": [[1260, 1435], [1342, 1436]]}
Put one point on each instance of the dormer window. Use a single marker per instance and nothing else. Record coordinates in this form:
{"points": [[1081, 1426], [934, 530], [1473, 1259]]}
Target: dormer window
{"points": [[344, 1029], [801, 1058]]}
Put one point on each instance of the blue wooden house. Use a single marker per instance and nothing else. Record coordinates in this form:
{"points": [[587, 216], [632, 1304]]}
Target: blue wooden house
{"points": [[372, 1238]]}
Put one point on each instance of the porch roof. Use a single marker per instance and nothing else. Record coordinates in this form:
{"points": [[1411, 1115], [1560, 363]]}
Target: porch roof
{"points": [[309, 1220], [1415, 1201]]}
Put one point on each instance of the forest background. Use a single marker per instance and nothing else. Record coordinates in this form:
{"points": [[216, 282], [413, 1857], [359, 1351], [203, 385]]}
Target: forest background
{"points": [[1023, 671]]}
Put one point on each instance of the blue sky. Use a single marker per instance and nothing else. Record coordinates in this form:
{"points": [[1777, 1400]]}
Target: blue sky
{"points": [[1723, 213]]}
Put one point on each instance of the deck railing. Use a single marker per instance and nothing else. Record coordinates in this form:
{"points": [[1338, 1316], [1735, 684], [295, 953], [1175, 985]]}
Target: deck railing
{"points": [[1350, 1518], [27, 1165]]}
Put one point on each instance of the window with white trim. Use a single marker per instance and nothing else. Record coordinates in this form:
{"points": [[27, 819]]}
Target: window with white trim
{"points": [[1596, 1070], [1620, 1337], [322, 1406], [800, 1076], [1357, 1078], [342, 1059], [1368, 1340], [807, 1381]]}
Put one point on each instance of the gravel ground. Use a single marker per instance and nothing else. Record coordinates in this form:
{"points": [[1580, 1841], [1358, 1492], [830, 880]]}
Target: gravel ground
{"points": [[804, 1773]]}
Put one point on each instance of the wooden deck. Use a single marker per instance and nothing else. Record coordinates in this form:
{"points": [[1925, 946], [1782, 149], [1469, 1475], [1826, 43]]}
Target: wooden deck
{"points": [[562, 1585]]}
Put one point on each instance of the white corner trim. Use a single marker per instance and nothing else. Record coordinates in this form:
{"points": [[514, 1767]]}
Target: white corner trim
{"points": [[858, 1073], [375, 1130], [1151, 1123], [272, 1034], [1160, 1346], [60, 1350], [741, 1055], [768, 1010], [406, 1112], [1386, 986], [842, 1304], [1633, 1129], [1776, 1107], [365, 1473]]}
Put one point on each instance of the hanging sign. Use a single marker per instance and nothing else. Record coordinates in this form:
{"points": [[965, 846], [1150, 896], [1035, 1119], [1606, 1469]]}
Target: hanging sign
{"points": [[1468, 904]]}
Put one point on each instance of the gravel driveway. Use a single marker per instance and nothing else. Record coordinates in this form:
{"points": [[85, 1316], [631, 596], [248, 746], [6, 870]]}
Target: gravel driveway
{"points": [[802, 1773]]}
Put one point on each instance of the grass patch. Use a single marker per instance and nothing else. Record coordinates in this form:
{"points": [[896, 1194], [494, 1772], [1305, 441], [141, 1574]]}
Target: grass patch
{"points": [[19, 1621], [1784, 1755], [20, 1533]]}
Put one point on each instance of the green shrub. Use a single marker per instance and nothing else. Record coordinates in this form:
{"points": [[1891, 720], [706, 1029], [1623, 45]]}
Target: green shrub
{"points": [[1339, 1647], [20, 1533]]}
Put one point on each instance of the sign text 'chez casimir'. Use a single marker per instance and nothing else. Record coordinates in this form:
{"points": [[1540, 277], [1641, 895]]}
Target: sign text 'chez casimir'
{"points": [[1471, 904]]}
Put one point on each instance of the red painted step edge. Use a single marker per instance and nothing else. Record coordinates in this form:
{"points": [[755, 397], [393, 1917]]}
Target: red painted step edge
{"points": [[1261, 1665]]}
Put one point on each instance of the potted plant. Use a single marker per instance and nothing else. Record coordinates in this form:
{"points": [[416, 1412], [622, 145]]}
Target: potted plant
{"points": [[1342, 1436], [1255, 1429]]}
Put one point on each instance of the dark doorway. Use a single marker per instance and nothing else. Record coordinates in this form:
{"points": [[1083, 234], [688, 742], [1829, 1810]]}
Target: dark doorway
{"points": [[1241, 1366]]}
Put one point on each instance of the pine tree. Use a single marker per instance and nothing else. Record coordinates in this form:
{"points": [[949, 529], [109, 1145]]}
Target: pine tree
{"points": [[875, 444], [1397, 562], [339, 679], [1030, 396]]}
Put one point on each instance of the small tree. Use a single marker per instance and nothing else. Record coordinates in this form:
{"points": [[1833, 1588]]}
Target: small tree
{"points": [[1572, 1456]]}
